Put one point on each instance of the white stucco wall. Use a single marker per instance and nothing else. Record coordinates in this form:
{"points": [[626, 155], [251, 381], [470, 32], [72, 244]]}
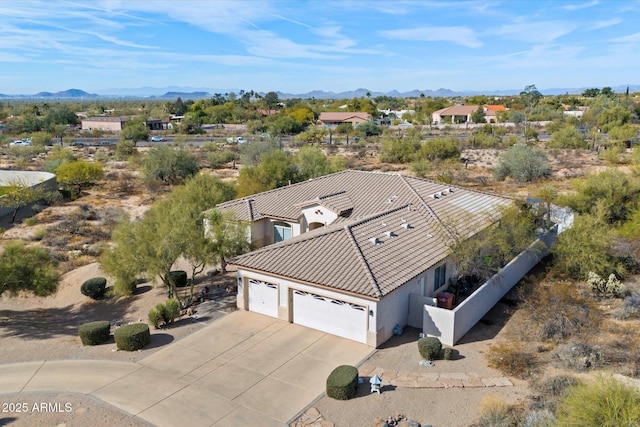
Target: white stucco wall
{"points": [[451, 325], [30, 178], [316, 213]]}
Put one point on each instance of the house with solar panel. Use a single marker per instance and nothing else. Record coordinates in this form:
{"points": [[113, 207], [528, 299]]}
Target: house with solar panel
{"points": [[361, 254]]}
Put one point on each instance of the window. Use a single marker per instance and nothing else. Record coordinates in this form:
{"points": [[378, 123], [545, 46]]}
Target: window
{"points": [[440, 277], [281, 231]]}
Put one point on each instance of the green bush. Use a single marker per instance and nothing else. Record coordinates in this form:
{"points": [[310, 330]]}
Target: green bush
{"points": [[164, 313], [606, 403], [94, 333], [342, 382], [429, 348], [179, 278], [448, 353], [94, 288], [132, 337], [155, 317]]}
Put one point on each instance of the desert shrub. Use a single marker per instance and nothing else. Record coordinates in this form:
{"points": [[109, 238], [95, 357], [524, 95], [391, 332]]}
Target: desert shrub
{"points": [[132, 337], [94, 333], [579, 356], [567, 137], [94, 288], [605, 403], [539, 418], [30, 221], [179, 278], [630, 307], [512, 359], [220, 158], [523, 163], [39, 234], [612, 287], [587, 246], [420, 167], [556, 386], [155, 317], [168, 165], [557, 312], [342, 382], [429, 348], [495, 412], [448, 353], [165, 313]]}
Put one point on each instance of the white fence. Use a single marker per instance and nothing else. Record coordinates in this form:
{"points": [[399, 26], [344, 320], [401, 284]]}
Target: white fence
{"points": [[451, 325]]}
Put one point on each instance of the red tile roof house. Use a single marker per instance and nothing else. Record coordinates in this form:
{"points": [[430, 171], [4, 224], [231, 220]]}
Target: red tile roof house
{"points": [[358, 254], [334, 119]]}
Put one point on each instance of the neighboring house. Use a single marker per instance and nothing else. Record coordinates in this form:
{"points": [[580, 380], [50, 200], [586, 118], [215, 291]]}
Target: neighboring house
{"points": [[116, 124], [351, 247], [459, 114], [334, 119], [491, 111], [112, 124]]}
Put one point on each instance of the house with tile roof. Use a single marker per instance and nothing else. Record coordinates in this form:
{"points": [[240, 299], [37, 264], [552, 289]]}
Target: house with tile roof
{"points": [[344, 253], [333, 119], [462, 114]]}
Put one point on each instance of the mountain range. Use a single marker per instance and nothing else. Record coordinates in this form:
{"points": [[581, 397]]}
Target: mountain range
{"points": [[174, 92]]}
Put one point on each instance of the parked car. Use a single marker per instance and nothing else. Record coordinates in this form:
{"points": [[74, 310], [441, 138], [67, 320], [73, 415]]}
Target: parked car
{"points": [[107, 143], [157, 138], [21, 143], [78, 144], [241, 140]]}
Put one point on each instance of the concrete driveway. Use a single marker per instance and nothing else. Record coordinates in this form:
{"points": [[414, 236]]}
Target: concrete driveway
{"points": [[244, 369]]}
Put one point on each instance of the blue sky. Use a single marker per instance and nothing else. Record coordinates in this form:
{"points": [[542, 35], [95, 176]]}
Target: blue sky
{"points": [[299, 46]]}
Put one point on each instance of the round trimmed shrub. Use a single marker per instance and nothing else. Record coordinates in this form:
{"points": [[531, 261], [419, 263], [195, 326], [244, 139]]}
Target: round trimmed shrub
{"points": [[429, 348], [179, 278], [94, 333], [132, 337], [342, 382], [448, 353], [94, 288]]}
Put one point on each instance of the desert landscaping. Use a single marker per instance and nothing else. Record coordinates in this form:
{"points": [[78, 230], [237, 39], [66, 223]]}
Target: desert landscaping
{"points": [[45, 328]]}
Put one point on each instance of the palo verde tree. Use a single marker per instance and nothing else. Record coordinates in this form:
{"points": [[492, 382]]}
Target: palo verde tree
{"points": [[30, 269], [78, 174], [168, 230], [228, 237], [19, 194]]}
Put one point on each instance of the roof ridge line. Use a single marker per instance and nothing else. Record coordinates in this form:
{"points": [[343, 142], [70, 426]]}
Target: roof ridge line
{"points": [[363, 261], [428, 208]]}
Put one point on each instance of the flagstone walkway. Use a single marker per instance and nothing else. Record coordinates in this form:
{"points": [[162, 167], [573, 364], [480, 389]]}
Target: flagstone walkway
{"points": [[409, 379]]}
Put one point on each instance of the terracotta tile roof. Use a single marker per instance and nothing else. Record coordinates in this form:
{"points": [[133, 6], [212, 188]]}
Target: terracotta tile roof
{"points": [[369, 251], [495, 108]]}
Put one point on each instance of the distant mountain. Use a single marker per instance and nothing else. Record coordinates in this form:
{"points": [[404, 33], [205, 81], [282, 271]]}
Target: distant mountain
{"points": [[175, 92], [184, 95], [66, 94]]}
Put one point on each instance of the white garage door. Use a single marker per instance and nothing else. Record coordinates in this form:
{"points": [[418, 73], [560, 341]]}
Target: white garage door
{"points": [[330, 315], [263, 297]]}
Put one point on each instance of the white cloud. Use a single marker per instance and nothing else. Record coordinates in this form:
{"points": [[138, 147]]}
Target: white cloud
{"points": [[572, 7], [604, 24], [631, 38], [535, 32], [459, 35]]}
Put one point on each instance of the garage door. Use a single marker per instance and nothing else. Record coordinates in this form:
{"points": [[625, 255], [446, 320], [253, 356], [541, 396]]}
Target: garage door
{"points": [[330, 315], [263, 297]]}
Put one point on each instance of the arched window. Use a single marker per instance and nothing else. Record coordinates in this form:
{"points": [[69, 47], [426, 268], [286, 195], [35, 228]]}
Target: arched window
{"points": [[281, 231]]}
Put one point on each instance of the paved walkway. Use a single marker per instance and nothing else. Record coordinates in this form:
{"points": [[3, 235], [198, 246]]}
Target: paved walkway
{"points": [[409, 379], [244, 369]]}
